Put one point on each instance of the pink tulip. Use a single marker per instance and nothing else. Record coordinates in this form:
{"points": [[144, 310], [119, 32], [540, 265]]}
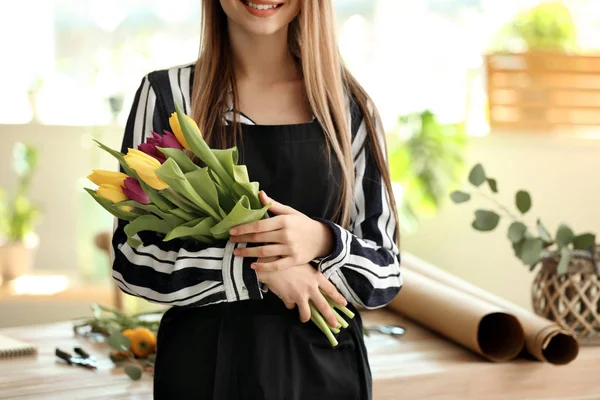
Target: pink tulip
{"points": [[167, 140], [134, 191]]}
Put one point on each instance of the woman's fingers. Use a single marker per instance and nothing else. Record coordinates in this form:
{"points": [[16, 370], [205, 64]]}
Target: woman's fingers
{"points": [[270, 250], [263, 225], [278, 265], [330, 290], [304, 310], [262, 237], [276, 207], [325, 309]]}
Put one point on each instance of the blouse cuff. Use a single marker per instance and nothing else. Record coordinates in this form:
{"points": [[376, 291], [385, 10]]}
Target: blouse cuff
{"points": [[341, 249], [240, 281]]}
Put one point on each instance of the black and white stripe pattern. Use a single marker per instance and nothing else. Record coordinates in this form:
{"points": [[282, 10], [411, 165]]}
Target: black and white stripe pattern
{"points": [[364, 266]]}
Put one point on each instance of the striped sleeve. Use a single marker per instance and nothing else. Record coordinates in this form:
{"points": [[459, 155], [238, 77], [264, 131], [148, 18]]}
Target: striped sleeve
{"points": [[365, 263], [178, 272]]}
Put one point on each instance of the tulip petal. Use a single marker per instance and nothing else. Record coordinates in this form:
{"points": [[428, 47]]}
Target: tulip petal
{"points": [[134, 191], [101, 177]]}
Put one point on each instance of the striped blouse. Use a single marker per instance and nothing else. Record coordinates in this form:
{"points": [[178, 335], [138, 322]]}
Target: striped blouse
{"points": [[365, 262]]}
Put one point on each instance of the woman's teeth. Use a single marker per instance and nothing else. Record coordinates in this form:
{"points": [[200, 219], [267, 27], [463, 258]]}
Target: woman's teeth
{"points": [[262, 6]]}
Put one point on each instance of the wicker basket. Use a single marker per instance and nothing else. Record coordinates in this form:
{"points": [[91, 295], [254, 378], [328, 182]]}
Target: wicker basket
{"points": [[571, 299]]}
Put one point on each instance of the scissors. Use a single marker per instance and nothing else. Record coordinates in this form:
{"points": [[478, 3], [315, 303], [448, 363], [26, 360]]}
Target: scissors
{"points": [[82, 358], [387, 330]]}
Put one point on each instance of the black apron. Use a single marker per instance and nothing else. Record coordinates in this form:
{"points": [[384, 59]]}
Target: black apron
{"points": [[258, 349]]}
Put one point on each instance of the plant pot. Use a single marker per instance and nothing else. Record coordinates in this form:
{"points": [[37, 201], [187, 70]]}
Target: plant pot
{"points": [[571, 299], [16, 259]]}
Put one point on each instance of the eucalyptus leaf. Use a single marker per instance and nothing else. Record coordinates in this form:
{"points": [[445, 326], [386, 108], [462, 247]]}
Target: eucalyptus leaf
{"points": [[516, 232], [518, 248], [563, 264], [564, 235], [241, 214], [460, 197], [134, 372], [531, 250], [485, 220], [523, 201], [477, 175], [118, 341], [151, 358], [584, 241], [543, 232], [493, 185]]}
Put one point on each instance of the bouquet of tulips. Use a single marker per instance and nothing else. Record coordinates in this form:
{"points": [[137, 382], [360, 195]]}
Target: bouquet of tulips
{"points": [[163, 190]]}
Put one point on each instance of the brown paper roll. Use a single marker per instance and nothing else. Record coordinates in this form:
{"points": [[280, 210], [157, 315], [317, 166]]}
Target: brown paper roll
{"points": [[544, 339], [468, 320]]}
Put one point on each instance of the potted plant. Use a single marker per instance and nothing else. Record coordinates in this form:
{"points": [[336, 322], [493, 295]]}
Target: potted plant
{"points": [[538, 79], [566, 288], [427, 158], [18, 216]]}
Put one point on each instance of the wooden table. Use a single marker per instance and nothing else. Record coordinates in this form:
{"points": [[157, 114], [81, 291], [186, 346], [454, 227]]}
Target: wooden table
{"points": [[418, 365]]}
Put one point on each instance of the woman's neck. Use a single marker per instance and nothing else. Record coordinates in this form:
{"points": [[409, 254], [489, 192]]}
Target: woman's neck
{"points": [[263, 59]]}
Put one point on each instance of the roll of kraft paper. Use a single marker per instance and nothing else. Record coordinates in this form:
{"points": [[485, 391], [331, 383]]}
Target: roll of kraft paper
{"points": [[465, 319], [544, 339]]}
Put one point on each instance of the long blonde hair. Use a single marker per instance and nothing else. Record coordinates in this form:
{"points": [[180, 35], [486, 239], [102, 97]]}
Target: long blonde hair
{"points": [[313, 43]]}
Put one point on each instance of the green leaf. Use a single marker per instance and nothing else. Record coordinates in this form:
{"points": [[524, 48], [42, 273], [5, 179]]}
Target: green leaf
{"points": [[563, 264], [584, 241], [485, 220], [201, 226], [134, 372], [118, 341], [518, 248], [116, 358], [477, 175], [516, 232], [151, 358], [492, 184], [241, 214], [543, 232], [111, 207], [205, 187], [531, 250], [523, 200], [150, 223], [173, 176], [459, 197], [179, 202], [564, 235], [184, 162]]}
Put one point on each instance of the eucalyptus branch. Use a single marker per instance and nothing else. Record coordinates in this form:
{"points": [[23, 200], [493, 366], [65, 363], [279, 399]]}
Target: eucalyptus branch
{"points": [[507, 212]]}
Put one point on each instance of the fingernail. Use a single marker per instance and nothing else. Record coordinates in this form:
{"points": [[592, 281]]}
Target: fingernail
{"points": [[254, 266]]}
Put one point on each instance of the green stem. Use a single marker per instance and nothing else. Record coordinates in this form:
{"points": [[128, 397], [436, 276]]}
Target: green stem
{"points": [[341, 320], [500, 206], [334, 305], [318, 320]]}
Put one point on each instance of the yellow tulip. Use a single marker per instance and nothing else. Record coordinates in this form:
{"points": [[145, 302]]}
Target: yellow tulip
{"points": [[114, 194], [145, 166], [100, 177], [176, 128]]}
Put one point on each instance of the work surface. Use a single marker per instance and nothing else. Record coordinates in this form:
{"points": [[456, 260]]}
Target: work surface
{"points": [[418, 365]]}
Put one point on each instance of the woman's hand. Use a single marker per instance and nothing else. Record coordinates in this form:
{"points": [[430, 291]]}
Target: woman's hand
{"points": [[298, 285], [290, 235]]}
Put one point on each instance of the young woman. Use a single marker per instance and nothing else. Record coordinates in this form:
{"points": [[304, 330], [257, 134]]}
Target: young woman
{"points": [[269, 79]]}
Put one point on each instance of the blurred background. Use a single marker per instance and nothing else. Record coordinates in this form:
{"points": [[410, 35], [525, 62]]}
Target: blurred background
{"points": [[508, 84]]}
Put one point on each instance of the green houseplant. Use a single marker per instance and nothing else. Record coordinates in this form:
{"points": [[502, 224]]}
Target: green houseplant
{"points": [[426, 160], [566, 288], [18, 216]]}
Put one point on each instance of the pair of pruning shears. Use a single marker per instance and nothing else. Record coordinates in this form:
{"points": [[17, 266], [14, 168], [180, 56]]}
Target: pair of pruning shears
{"points": [[82, 358]]}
